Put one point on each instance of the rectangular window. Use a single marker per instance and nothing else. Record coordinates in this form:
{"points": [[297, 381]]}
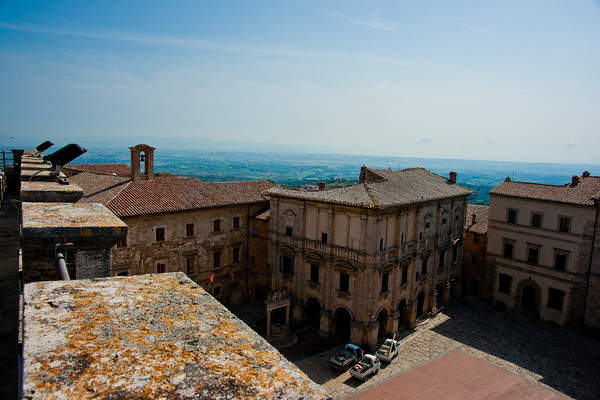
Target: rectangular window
{"points": [[161, 268], [511, 217], [217, 225], [287, 265], [474, 258], [122, 242], [216, 259], [380, 244], [235, 256], [160, 234], [236, 222], [504, 283], [189, 229], [533, 254], [323, 237], [217, 291], [508, 249], [442, 260], [314, 273], [560, 260], [424, 266], [384, 282], [536, 220], [404, 275], [564, 224], [344, 282], [190, 266], [123, 273], [555, 299], [288, 230]]}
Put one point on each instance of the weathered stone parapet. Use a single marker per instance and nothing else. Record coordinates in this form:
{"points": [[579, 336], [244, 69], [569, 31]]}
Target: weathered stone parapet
{"points": [[50, 192], [89, 230], [147, 336]]}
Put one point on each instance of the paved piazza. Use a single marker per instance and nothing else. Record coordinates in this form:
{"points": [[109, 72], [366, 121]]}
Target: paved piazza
{"points": [[550, 356]]}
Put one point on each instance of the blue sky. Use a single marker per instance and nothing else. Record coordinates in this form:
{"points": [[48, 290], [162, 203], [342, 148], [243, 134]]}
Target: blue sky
{"points": [[492, 80]]}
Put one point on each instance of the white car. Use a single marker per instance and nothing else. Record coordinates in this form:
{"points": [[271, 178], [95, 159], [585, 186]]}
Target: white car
{"points": [[369, 365], [388, 350]]}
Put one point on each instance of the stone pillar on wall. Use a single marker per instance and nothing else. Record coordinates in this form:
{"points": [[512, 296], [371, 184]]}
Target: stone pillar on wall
{"points": [[395, 321], [411, 311]]}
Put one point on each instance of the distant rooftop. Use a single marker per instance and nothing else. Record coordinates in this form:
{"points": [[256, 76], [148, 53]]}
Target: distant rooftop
{"points": [[165, 194], [106, 169], [382, 188], [476, 220], [581, 190], [147, 336]]}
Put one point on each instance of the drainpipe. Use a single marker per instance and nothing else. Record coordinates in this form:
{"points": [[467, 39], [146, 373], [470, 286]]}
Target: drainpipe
{"points": [[589, 271], [61, 265]]}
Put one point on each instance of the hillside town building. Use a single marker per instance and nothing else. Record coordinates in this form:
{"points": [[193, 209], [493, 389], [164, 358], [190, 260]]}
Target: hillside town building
{"points": [[362, 261], [476, 283], [178, 224], [543, 249]]}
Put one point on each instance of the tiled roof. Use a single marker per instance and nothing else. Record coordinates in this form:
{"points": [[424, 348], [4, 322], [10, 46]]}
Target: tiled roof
{"points": [[106, 169], [383, 188], [161, 195], [582, 193], [480, 223], [263, 215]]}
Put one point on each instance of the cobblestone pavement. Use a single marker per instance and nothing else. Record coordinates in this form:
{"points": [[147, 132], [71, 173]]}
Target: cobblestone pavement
{"points": [[553, 356]]}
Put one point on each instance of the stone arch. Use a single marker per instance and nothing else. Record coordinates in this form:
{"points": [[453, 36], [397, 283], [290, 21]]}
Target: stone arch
{"points": [[402, 308], [528, 295], [312, 312], [382, 319], [421, 294], [341, 323], [289, 213]]}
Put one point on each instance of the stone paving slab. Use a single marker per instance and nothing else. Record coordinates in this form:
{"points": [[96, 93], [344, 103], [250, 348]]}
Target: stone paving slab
{"points": [[541, 352]]}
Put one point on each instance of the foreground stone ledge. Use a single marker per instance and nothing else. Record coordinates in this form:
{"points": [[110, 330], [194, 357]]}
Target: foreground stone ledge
{"points": [[50, 192], [147, 336], [86, 225]]}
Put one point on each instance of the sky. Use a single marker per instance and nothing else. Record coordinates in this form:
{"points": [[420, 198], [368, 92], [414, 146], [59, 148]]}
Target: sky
{"points": [[482, 79]]}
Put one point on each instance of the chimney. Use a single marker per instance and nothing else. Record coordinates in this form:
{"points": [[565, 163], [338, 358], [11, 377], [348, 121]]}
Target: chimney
{"points": [[321, 185], [142, 152], [575, 180], [586, 174], [452, 177]]}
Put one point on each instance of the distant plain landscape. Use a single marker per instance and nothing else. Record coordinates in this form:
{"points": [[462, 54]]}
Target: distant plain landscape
{"points": [[306, 170]]}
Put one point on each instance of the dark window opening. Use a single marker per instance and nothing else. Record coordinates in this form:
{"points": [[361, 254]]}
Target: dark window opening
{"points": [[474, 258], [288, 230], [235, 255], [160, 268], [124, 273], [217, 225], [324, 238], [190, 266], [384, 282], [380, 244], [508, 249], [532, 255], [442, 260], [287, 265], [560, 261], [189, 229], [424, 266], [536, 220], [504, 283], [344, 282], [217, 291], [555, 299], [236, 222], [404, 275], [512, 217], [122, 242], [216, 259], [160, 234], [564, 224], [314, 273]]}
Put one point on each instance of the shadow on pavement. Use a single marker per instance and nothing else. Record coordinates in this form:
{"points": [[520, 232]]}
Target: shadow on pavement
{"points": [[565, 359]]}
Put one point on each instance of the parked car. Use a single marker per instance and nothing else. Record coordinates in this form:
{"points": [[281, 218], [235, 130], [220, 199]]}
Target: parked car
{"points": [[346, 358], [388, 350], [369, 365]]}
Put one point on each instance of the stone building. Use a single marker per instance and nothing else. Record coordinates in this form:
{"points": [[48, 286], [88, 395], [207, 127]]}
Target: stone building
{"points": [[543, 249], [179, 224], [475, 285], [362, 261]]}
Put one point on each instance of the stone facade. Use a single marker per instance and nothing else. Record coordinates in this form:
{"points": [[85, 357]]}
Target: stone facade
{"points": [[543, 246], [475, 283], [362, 269], [259, 269]]}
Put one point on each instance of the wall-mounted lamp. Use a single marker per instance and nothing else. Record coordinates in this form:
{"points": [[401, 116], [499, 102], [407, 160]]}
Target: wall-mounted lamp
{"points": [[62, 157]]}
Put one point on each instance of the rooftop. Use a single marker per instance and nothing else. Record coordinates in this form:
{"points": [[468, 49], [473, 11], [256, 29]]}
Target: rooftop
{"points": [[382, 188], [162, 195], [582, 190], [122, 338], [106, 169], [477, 218]]}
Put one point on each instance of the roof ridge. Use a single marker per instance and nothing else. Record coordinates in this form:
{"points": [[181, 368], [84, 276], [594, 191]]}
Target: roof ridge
{"points": [[371, 196]]}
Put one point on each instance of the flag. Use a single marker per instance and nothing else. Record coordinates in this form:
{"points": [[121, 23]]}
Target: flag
{"points": [[212, 277]]}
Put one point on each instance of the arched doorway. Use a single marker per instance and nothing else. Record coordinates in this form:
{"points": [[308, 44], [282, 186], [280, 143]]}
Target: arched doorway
{"points": [[420, 304], [341, 324], [382, 318], [474, 287], [312, 313], [528, 298], [402, 314]]}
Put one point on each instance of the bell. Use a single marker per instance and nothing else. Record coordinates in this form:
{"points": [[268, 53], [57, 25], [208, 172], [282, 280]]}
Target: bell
{"points": [[142, 157]]}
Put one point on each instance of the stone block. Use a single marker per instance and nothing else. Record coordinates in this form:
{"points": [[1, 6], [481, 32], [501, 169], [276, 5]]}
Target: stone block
{"points": [[50, 192]]}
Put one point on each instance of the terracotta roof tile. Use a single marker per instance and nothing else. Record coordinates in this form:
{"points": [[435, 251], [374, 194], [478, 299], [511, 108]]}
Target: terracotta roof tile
{"points": [[160, 195], [383, 188], [582, 193], [477, 218], [106, 169]]}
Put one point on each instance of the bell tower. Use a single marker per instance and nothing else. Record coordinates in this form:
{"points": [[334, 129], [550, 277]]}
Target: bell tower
{"points": [[139, 153]]}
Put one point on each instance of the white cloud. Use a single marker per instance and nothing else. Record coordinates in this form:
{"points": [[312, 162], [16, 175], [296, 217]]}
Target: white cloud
{"points": [[427, 139], [570, 144]]}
